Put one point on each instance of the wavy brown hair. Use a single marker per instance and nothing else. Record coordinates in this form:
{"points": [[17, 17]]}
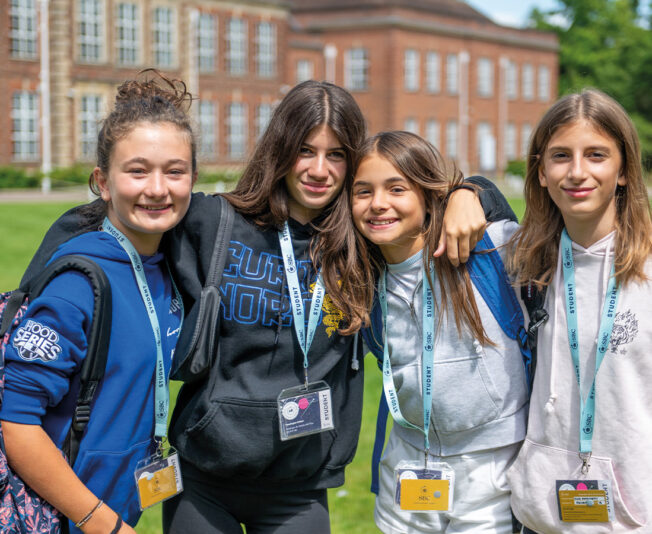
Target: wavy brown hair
{"points": [[261, 194], [422, 164], [534, 248]]}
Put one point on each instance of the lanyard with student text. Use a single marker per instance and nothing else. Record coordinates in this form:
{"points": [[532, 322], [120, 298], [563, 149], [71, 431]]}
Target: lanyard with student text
{"points": [[296, 299], [161, 395], [587, 408], [428, 336]]}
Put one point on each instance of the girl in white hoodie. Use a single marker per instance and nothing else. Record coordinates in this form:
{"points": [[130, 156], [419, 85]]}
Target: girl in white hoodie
{"points": [[585, 465]]}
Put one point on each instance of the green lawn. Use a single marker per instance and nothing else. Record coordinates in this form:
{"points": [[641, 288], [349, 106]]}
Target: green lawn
{"points": [[351, 506]]}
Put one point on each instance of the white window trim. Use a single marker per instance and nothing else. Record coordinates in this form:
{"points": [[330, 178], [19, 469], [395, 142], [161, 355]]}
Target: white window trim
{"points": [[206, 40], [356, 69], [411, 64], [133, 26], [96, 20], [89, 125], [433, 72], [237, 131], [164, 49], [26, 33], [236, 38], [26, 136], [266, 49]]}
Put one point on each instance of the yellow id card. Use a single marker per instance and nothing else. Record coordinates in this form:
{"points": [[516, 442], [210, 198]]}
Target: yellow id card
{"points": [[158, 478], [587, 506], [424, 495]]}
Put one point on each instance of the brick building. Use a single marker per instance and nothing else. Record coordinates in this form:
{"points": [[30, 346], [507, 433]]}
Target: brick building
{"points": [[436, 67]]}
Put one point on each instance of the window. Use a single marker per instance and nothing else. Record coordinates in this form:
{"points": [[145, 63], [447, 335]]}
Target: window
{"points": [[237, 124], [305, 70], [266, 49], [510, 141], [486, 147], [544, 83], [206, 43], [411, 125], [207, 137], [451, 139], [485, 77], [432, 133], [163, 25], [89, 117], [526, 132], [528, 82], [356, 65], [433, 74], [263, 115], [22, 28], [24, 135], [127, 34], [90, 30], [511, 81], [236, 54], [411, 70], [452, 74]]}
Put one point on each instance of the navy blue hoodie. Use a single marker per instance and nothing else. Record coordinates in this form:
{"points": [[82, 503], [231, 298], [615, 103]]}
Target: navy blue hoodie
{"points": [[45, 355]]}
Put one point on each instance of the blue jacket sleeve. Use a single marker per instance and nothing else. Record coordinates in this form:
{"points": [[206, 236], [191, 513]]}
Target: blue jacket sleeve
{"points": [[47, 348], [495, 205]]}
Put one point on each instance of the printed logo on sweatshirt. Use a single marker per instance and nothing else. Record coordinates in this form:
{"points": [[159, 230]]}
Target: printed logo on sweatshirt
{"points": [[34, 341], [624, 331], [256, 299], [175, 306]]}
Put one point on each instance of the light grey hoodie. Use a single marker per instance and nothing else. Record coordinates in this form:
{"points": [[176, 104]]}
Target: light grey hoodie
{"points": [[479, 393], [623, 415]]}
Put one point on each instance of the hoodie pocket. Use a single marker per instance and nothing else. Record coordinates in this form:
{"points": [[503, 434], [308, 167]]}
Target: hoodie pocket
{"points": [[465, 396], [534, 497], [240, 438]]}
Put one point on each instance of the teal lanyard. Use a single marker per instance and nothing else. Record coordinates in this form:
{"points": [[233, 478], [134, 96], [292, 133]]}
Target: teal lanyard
{"points": [[161, 393], [296, 299], [587, 408], [428, 357]]}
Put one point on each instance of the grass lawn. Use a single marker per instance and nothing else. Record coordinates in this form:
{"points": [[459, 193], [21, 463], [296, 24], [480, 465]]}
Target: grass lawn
{"points": [[351, 506]]}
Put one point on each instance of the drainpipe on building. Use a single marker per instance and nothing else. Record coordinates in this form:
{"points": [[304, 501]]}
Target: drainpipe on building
{"points": [[44, 75], [503, 63], [463, 112], [330, 53], [193, 60]]}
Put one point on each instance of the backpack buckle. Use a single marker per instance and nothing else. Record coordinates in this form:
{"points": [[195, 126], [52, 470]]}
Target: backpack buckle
{"points": [[81, 417]]}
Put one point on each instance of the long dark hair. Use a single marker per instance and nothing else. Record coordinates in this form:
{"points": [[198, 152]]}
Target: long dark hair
{"points": [[422, 164], [261, 194]]}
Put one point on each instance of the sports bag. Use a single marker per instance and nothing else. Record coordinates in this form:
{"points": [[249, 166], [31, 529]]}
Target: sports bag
{"points": [[22, 511]]}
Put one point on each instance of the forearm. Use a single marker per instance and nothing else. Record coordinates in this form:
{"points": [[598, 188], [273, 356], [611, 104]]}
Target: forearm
{"points": [[35, 458]]}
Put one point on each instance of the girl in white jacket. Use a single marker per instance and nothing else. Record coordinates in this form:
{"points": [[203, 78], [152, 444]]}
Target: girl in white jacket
{"points": [[585, 466]]}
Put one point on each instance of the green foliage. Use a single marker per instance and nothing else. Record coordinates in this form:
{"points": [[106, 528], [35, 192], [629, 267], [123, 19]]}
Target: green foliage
{"points": [[604, 44], [228, 176], [18, 178], [75, 175], [516, 167]]}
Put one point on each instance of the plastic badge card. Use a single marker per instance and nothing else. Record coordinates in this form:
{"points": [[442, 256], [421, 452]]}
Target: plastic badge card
{"points": [[158, 478], [424, 490], [586, 501], [305, 410]]}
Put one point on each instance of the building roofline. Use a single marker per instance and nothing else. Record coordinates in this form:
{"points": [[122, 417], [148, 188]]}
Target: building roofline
{"points": [[504, 35]]}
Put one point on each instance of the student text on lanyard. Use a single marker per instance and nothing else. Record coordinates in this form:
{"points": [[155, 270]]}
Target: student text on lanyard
{"points": [[161, 394], [428, 357], [587, 408], [296, 299]]}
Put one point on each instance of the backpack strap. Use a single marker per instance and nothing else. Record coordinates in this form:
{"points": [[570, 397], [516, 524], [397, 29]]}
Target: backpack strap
{"points": [[94, 364], [534, 300], [199, 345], [490, 279]]}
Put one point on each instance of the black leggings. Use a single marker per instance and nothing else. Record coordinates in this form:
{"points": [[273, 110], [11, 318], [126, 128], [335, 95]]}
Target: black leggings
{"points": [[206, 509]]}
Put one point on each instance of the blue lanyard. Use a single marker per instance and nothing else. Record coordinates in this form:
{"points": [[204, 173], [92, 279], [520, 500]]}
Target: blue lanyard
{"points": [[296, 299], [428, 357], [161, 393], [587, 408]]}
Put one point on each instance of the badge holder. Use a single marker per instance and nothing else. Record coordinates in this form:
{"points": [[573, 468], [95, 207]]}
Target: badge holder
{"points": [[305, 410], [158, 477], [420, 489], [585, 501]]}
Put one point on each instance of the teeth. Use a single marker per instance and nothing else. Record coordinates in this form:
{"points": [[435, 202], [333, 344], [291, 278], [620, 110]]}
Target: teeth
{"points": [[154, 208], [383, 222]]}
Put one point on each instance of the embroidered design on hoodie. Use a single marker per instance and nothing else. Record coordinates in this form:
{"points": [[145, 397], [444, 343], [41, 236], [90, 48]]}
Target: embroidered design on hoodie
{"points": [[34, 341], [624, 331], [332, 314]]}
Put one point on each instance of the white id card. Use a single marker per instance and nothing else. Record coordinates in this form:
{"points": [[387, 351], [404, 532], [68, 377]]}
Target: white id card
{"points": [[424, 489], [305, 410], [158, 478]]}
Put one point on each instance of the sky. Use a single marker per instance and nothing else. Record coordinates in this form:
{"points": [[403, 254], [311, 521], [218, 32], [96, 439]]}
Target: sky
{"points": [[510, 12]]}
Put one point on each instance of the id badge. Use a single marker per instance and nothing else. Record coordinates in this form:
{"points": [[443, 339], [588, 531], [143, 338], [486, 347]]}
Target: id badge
{"points": [[585, 501], [158, 478], [305, 410], [420, 489]]}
